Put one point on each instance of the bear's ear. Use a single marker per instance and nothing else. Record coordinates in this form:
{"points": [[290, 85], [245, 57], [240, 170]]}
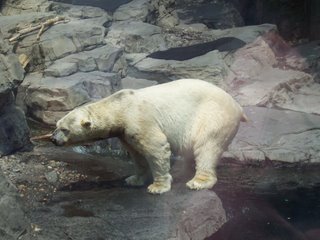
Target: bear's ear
{"points": [[85, 123]]}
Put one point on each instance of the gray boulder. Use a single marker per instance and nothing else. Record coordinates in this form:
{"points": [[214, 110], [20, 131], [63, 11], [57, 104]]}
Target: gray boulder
{"points": [[300, 94], [215, 14], [14, 132], [99, 59], [13, 222], [136, 37], [248, 62], [11, 72], [271, 87], [277, 135], [62, 40], [134, 10], [247, 34], [16, 7], [48, 99], [210, 67], [136, 83]]}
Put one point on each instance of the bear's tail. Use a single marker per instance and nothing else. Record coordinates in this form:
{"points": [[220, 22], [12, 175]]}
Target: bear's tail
{"points": [[244, 118]]}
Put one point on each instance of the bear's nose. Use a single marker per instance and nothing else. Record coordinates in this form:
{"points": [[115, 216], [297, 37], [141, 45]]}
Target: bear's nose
{"points": [[59, 137]]}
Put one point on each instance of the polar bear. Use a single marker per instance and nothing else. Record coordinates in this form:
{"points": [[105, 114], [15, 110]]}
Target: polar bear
{"points": [[187, 116]]}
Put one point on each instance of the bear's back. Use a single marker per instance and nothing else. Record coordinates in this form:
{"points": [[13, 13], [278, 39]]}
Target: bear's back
{"points": [[175, 105]]}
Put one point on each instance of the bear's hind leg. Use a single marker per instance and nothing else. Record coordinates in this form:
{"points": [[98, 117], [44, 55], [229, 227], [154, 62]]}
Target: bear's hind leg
{"points": [[206, 157]]}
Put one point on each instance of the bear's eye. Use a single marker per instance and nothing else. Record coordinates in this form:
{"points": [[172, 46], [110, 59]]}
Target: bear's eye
{"points": [[65, 131]]}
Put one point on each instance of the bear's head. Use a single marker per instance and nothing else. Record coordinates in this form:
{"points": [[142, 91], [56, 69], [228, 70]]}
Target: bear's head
{"points": [[76, 127]]}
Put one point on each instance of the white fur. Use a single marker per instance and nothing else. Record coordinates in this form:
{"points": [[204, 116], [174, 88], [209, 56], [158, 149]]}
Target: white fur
{"points": [[187, 116]]}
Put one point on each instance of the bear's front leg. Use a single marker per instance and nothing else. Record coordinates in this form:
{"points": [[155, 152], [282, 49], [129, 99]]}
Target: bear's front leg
{"points": [[143, 174], [159, 162], [156, 149]]}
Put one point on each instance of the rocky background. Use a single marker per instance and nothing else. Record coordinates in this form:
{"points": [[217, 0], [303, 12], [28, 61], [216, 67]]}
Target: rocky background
{"points": [[266, 54]]}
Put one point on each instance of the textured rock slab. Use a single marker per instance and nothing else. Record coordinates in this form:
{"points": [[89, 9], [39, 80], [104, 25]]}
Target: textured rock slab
{"points": [[14, 131], [215, 14], [277, 135], [49, 98], [108, 5], [249, 61], [210, 67], [270, 85], [98, 59], [136, 83], [136, 36], [101, 206], [16, 7], [134, 10], [135, 214], [13, 222], [11, 72], [62, 40], [301, 95]]}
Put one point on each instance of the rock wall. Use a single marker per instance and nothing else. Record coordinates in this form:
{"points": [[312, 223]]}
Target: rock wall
{"points": [[14, 132], [13, 222]]}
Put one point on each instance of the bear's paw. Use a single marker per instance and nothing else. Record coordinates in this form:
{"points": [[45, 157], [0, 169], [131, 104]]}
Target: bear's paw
{"points": [[202, 181], [136, 180], [161, 185]]}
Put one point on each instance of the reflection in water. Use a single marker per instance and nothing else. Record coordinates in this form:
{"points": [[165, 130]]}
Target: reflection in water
{"points": [[286, 210]]}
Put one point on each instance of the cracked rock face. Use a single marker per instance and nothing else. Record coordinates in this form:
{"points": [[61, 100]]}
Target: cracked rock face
{"points": [[14, 132]]}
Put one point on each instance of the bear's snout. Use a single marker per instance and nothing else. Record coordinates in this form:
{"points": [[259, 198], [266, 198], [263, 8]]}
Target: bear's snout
{"points": [[60, 137]]}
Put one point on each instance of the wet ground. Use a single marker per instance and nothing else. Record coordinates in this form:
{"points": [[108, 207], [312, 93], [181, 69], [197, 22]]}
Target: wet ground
{"points": [[66, 191]]}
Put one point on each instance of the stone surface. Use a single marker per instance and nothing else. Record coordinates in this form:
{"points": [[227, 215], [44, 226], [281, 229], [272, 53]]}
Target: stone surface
{"points": [[15, 7], [215, 14], [210, 67], [14, 131], [136, 36], [62, 40], [300, 94], [249, 61], [11, 72], [106, 208], [277, 135], [134, 10], [108, 5], [48, 99], [135, 214], [305, 57], [13, 222], [135, 83], [269, 86], [99, 59]]}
